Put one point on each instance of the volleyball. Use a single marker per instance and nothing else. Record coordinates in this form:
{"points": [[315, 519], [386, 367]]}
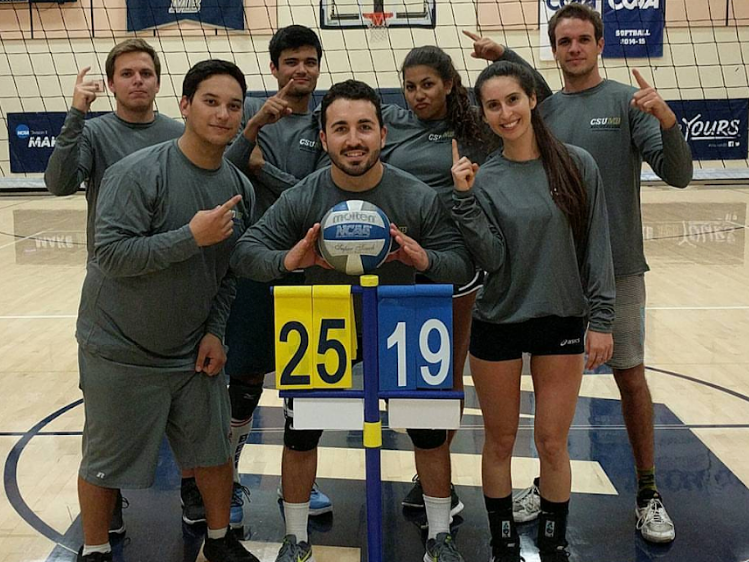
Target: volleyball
{"points": [[354, 237]]}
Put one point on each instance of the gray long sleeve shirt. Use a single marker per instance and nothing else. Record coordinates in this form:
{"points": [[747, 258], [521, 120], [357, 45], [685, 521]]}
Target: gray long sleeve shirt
{"points": [[408, 202], [291, 149], [522, 239], [85, 149], [619, 136], [151, 293]]}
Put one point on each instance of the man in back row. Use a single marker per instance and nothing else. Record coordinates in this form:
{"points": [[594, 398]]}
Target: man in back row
{"points": [[278, 146], [85, 149], [620, 126]]}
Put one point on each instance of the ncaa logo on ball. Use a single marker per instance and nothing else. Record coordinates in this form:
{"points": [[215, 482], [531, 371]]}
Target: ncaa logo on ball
{"points": [[354, 237]]}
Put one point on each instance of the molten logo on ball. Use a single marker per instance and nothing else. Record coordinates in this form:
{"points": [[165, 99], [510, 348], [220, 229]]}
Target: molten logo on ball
{"points": [[354, 237]]}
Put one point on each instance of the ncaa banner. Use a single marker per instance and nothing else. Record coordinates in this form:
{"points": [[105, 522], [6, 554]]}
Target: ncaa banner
{"points": [[633, 28], [144, 14], [31, 138], [714, 129], [546, 9]]}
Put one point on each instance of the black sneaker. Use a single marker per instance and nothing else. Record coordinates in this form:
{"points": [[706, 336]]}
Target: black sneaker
{"points": [[193, 510], [117, 524], [415, 498], [228, 549], [94, 557], [507, 552], [559, 555]]}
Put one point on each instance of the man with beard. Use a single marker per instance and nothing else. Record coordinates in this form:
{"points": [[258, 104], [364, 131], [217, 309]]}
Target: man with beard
{"points": [[278, 146], [353, 136], [85, 149]]}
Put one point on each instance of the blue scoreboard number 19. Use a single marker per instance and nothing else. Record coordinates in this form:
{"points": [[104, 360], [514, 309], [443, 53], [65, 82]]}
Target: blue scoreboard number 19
{"points": [[419, 315]]}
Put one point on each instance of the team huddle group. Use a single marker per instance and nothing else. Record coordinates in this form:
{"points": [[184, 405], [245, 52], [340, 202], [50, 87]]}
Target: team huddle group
{"points": [[527, 202]]}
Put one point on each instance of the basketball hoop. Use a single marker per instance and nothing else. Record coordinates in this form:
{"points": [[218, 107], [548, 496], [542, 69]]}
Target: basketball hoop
{"points": [[378, 22]]}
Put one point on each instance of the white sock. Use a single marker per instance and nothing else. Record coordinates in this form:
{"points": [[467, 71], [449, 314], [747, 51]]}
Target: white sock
{"points": [[438, 515], [217, 533], [240, 429], [91, 548], [296, 515]]}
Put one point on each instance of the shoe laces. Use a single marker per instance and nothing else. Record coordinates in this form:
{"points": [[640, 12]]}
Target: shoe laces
{"points": [[655, 513], [526, 496], [415, 479], [233, 545], [444, 549], [239, 494]]}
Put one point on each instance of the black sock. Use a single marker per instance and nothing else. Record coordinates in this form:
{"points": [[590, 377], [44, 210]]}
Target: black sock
{"points": [[552, 525], [501, 524]]}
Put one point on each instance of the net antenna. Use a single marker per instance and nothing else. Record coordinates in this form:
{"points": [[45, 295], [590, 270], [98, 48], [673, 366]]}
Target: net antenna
{"points": [[377, 22]]}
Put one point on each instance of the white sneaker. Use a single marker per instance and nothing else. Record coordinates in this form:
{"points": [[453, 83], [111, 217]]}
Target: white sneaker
{"points": [[654, 523], [526, 504]]}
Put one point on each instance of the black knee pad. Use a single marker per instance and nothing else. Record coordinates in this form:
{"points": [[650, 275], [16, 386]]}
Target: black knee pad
{"points": [[300, 439], [244, 397], [427, 438]]}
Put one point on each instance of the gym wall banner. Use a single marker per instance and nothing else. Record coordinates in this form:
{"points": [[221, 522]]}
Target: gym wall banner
{"points": [[633, 28], [31, 138], [144, 14], [714, 129], [546, 9]]}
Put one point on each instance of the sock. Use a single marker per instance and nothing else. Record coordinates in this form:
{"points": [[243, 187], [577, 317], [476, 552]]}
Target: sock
{"points": [[646, 488], [502, 525], [240, 429], [552, 525], [217, 533], [296, 515], [91, 548], [438, 515]]}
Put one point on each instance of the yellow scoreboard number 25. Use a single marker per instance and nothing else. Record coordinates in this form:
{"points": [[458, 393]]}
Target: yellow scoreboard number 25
{"points": [[315, 336]]}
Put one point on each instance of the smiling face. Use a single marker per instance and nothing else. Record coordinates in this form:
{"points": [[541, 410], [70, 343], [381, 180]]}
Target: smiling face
{"points": [[576, 48], [353, 137], [215, 111], [507, 108], [134, 82], [302, 65], [426, 92]]}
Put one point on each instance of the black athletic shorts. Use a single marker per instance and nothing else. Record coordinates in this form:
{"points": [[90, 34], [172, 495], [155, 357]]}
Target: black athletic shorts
{"points": [[550, 335]]}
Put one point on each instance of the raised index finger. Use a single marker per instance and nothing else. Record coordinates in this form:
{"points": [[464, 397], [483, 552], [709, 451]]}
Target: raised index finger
{"points": [[640, 80], [81, 74], [229, 205], [456, 152], [283, 91], [472, 35]]}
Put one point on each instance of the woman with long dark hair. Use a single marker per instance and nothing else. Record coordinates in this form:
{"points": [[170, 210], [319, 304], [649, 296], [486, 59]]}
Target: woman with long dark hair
{"points": [[533, 216], [419, 142]]}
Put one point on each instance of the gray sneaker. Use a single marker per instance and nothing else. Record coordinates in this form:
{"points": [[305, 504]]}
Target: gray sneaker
{"points": [[526, 504], [292, 551], [654, 523], [442, 549]]}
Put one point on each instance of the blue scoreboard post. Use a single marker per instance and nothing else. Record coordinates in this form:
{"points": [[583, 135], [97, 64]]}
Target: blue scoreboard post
{"points": [[407, 354]]}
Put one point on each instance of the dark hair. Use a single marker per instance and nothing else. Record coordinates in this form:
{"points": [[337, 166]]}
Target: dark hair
{"points": [[350, 90], [293, 37], [576, 11], [135, 45], [460, 113], [565, 182], [207, 68]]}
